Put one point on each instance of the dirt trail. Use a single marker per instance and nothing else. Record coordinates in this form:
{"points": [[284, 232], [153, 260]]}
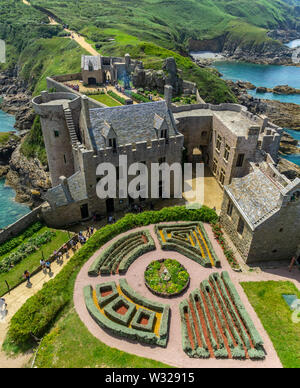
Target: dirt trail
{"points": [[79, 39], [16, 298]]}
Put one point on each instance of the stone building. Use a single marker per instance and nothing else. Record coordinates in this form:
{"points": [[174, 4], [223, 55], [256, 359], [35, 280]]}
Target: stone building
{"points": [[260, 211], [261, 214], [78, 138], [98, 69]]}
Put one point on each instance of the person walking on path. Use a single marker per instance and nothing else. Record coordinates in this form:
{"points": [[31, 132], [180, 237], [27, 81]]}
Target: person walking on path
{"points": [[48, 266], [42, 264], [27, 277]]}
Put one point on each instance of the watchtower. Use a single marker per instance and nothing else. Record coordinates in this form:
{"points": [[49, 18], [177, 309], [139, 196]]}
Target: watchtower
{"points": [[59, 113]]}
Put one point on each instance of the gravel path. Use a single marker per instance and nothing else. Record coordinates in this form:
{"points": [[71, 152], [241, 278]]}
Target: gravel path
{"points": [[173, 354]]}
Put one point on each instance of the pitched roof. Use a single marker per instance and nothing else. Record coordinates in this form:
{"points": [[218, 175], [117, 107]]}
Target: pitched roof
{"points": [[131, 123], [256, 196]]}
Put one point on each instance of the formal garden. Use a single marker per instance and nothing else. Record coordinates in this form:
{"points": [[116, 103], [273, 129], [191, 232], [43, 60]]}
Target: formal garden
{"points": [[154, 288]]}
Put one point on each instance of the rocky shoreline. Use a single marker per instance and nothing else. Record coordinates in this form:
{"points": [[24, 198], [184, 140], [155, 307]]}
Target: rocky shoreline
{"points": [[28, 177]]}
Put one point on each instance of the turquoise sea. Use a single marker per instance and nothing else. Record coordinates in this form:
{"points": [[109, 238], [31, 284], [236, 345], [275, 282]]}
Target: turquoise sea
{"points": [[263, 75], [295, 158], [10, 211]]}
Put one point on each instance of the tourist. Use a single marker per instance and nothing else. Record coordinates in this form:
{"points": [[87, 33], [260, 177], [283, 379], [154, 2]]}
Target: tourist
{"points": [[3, 303], [42, 264], [92, 230], [48, 266], [110, 219], [59, 257], [27, 277], [295, 259]]}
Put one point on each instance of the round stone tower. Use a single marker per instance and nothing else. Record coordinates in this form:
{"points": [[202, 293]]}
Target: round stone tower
{"points": [[59, 113]]}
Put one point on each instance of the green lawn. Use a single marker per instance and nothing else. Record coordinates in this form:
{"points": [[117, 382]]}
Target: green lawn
{"points": [[32, 261], [71, 345], [105, 99], [275, 315]]}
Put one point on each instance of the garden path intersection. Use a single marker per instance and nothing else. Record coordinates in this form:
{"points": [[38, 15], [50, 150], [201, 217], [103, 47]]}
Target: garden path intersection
{"points": [[173, 354]]}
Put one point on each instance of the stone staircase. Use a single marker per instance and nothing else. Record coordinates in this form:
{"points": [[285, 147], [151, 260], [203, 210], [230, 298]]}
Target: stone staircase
{"points": [[71, 126]]}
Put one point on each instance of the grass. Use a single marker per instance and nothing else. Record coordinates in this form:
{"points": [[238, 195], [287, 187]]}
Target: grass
{"points": [[71, 345], [14, 276], [275, 315], [5, 136], [105, 99]]}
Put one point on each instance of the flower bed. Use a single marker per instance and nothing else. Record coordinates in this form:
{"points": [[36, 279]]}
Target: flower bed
{"points": [[166, 278], [219, 236], [216, 324], [189, 239]]}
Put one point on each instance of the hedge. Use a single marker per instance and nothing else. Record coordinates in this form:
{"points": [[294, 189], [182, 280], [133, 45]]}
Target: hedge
{"points": [[104, 300], [111, 311], [122, 253], [117, 97], [151, 320], [39, 312], [175, 228], [193, 297], [16, 241], [151, 305], [186, 344], [255, 336], [112, 327]]}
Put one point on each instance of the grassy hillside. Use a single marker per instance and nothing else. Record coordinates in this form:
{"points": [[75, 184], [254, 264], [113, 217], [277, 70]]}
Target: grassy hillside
{"points": [[171, 23]]}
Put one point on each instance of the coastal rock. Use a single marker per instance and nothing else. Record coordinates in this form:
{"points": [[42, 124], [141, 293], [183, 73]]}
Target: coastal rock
{"points": [[7, 149], [289, 169], [27, 176], [3, 171], [285, 89], [288, 144]]}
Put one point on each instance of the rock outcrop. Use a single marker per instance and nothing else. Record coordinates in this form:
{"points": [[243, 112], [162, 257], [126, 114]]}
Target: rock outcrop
{"points": [[28, 178], [7, 149], [157, 79], [289, 169], [16, 99]]}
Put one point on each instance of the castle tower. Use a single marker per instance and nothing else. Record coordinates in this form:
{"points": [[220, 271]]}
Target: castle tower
{"points": [[59, 113]]}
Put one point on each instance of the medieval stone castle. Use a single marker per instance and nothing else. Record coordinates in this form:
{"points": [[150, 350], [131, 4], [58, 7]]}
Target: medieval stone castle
{"points": [[261, 207]]}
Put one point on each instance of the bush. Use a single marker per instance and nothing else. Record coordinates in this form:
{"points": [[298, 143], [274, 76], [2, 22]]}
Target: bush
{"points": [[16, 241], [139, 97], [39, 312], [117, 97]]}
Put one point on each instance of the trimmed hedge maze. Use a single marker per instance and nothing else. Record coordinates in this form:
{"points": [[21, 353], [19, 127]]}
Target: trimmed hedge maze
{"points": [[189, 239], [118, 257], [123, 312], [216, 324]]}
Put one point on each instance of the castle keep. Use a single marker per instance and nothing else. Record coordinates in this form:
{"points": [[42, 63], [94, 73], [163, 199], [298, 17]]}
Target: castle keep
{"points": [[261, 207]]}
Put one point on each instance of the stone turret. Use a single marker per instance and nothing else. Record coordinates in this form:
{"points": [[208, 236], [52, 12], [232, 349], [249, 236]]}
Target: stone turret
{"points": [[59, 113]]}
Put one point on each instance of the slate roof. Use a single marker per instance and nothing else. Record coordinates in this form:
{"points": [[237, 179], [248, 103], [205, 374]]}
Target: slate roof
{"points": [[59, 197], [131, 123], [94, 60], [256, 195]]}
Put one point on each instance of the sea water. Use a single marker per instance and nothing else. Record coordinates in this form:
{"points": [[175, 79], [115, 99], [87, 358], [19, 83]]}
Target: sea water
{"points": [[10, 211]]}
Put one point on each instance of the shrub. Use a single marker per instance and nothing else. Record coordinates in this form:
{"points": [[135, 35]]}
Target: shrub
{"points": [[117, 97], [14, 242], [40, 311]]}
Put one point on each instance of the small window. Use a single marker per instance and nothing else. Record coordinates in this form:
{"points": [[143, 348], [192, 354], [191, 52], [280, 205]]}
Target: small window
{"points": [[229, 209], [215, 166], [163, 134], [161, 160], [222, 176], [204, 134], [241, 226], [56, 133], [65, 159], [219, 142], [227, 152], [240, 160]]}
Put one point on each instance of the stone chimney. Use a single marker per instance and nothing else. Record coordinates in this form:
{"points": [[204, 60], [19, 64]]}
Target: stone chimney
{"points": [[168, 95]]}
